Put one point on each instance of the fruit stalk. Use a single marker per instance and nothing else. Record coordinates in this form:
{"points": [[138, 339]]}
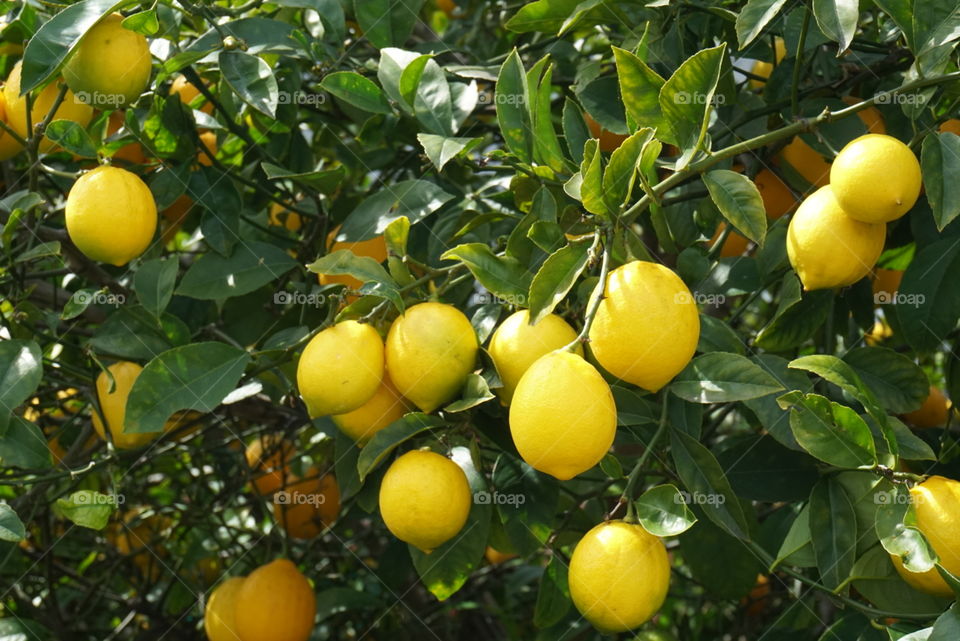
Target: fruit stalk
{"points": [[598, 292], [634, 478]]}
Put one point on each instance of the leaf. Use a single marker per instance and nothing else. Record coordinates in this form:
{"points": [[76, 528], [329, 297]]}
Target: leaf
{"points": [[898, 383], [555, 278], [575, 131], [11, 527], [344, 262], [553, 594], [358, 91], [502, 275], [831, 432], [253, 80], [72, 137], [925, 23], [197, 377], [663, 511], [797, 323], [387, 439], [545, 141], [512, 97], [621, 171], [876, 579], [940, 159], [738, 199], [837, 20], [415, 199], [132, 332], [393, 63], [345, 463], [251, 266], [591, 173], [88, 509], [440, 149], [143, 22], [475, 391], [947, 625], [543, 15], [930, 310], [432, 100], [154, 283], [21, 370], [721, 378], [24, 445], [322, 180], [754, 16], [796, 548], [685, 100], [640, 88], [833, 531], [387, 23]]}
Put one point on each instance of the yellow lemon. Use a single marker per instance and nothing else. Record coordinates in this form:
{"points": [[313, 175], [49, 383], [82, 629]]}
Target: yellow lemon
{"points": [[275, 603], [807, 162], [219, 620], [111, 215], [826, 247], [517, 344], [268, 457], [647, 327], [114, 405], [933, 413], [763, 68], [9, 147], [876, 178], [777, 197], [110, 67], [425, 499], [309, 505], [16, 105], [384, 407], [209, 140], [188, 93], [341, 368], [734, 245], [430, 351], [937, 505], [563, 418], [375, 248], [886, 284], [619, 575], [280, 216]]}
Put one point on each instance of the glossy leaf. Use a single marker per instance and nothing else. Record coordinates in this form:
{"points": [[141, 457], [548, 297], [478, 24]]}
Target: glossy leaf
{"points": [[502, 275], [512, 97], [251, 266], [738, 199], [640, 88], [837, 19], [154, 283], [387, 439], [11, 527], [415, 199], [833, 531], [940, 160], [754, 17], [833, 433], [387, 23], [663, 511], [555, 278], [441, 149], [721, 378], [252, 79], [357, 90], [686, 97]]}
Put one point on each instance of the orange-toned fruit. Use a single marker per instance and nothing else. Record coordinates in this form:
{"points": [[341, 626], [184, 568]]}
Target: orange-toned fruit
{"points": [[307, 506], [219, 615], [758, 600], [496, 557], [173, 217], [9, 147], [275, 603], [609, 141], [209, 140], [280, 216], [384, 407], [807, 162], [131, 152], [188, 94], [886, 283], [375, 248], [734, 245], [268, 457], [933, 413], [870, 117], [777, 197], [950, 126]]}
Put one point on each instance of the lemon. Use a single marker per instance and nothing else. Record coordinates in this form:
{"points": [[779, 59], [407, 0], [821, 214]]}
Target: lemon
{"points": [[219, 620], [424, 499], [763, 68], [188, 94], [517, 344], [826, 247], [268, 457], [9, 147], [275, 603], [886, 284], [114, 405], [132, 152], [807, 162], [563, 418], [384, 407], [110, 67], [936, 502], [777, 197], [311, 504], [375, 248], [609, 141], [430, 351], [951, 126], [619, 575], [280, 216], [647, 327], [209, 140], [734, 245], [876, 178], [341, 368], [16, 106], [111, 215], [933, 413]]}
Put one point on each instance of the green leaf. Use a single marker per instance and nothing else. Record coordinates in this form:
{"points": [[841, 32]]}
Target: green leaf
{"points": [[250, 267], [387, 23], [72, 137], [502, 275], [415, 199], [21, 370], [555, 278], [837, 20], [575, 131], [410, 80], [640, 88], [344, 262], [252, 79], [197, 376], [930, 309], [663, 511], [545, 141], [345, 464], [88, 509], [553, 594], [621, 171], [432, 100], [754, 16], [738, 199], [877, 580], [132, 332], [11, 527], [543, 15], [358, 91], [512, 98], [686, 98], [722, 378], [40, 250], [591, 173], [897, 381], [440, 149], [23, 445], [154, 283], [581, 10], [925, 23], [475, 391], [325, 181], [831, 432], [393, 64], [947, 625], [797, 323], [940, 159], [833, 532], [387, 439], [143, 22]]}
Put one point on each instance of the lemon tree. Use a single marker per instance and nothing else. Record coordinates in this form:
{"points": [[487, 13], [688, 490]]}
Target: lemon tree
{"points": [[479, 319]]}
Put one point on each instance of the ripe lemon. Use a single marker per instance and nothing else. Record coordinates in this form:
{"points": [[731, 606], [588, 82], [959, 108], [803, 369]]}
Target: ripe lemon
{"points": [[777, 197], [807, 162], [734, 245], [16, 106], [209, 140], [384, 407], [310, 504], [880, 332], [619, 575], [375, 248], [425, 499], [267, 457], [341, 368], [275, 603], [647, 327], [111, 215], [933, 413], [131, 152], [496, 557], [187, 93], [563, 418], [219, 615], [937, 505], [516, 345], [114, 405], [430, 351], [110, 67], [763, 68], [9, 147], [876, 178], [950, 126], [886, 284], [280, 216], [827, 248], [609, 141]]}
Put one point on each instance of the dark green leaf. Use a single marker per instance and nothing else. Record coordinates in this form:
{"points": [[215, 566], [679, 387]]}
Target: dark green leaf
{"points": [[72, 137], [251, 266], [154, 282], [754, 16], [575, 131], [723, 377], [358, 91], [387, 439], [833, 531], [940, 160], [324, 181], [252, 79], [797, 323], [502, 275], [553, 595], [11, 527], [387, 23], [543, 15], [555, 278], [475, 391], [415, 199], [21, 370], [686, 99], [929, 309], [663, 511], [738, 199], [831, 432], [24, 445], [898, 383]]}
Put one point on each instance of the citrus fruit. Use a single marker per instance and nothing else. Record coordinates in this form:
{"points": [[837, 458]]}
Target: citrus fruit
{"points": [[309, 505], [763, 68], [16, 107], [375, 248], [113, 405], [933, 413], [131, 152], [9, 147], [209, 140], [936, 502], [496, 557], [734, 245], [886, 284], [876, 178], [111, 215], [110, 67], [384, 407], [447, 6], [807, 162], [424, 499], [219, 620], [562, 418], [609, 141], [950, 126], [759, 597], [647, 326], [268, 457], [341, 368], [777, 197], [516, 345], [430, 351], [280, 216], [829, 249], [619, 574], [275, 603], [188, 94], [880, 332]]}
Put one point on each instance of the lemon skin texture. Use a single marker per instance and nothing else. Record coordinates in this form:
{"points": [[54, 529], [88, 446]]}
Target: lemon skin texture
{"points": [[114, 406], [829, 249], [275, 603], [69, 109], [430, 351], [516, 345], [424, 499], [110, 67], [619, 576], [9, 147], [111, 215], [384, 407], [933, 413], [563, 418], [219, 620], [876, 178], [341, 368], [937, 505], [647, 327], [807, 162]]}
